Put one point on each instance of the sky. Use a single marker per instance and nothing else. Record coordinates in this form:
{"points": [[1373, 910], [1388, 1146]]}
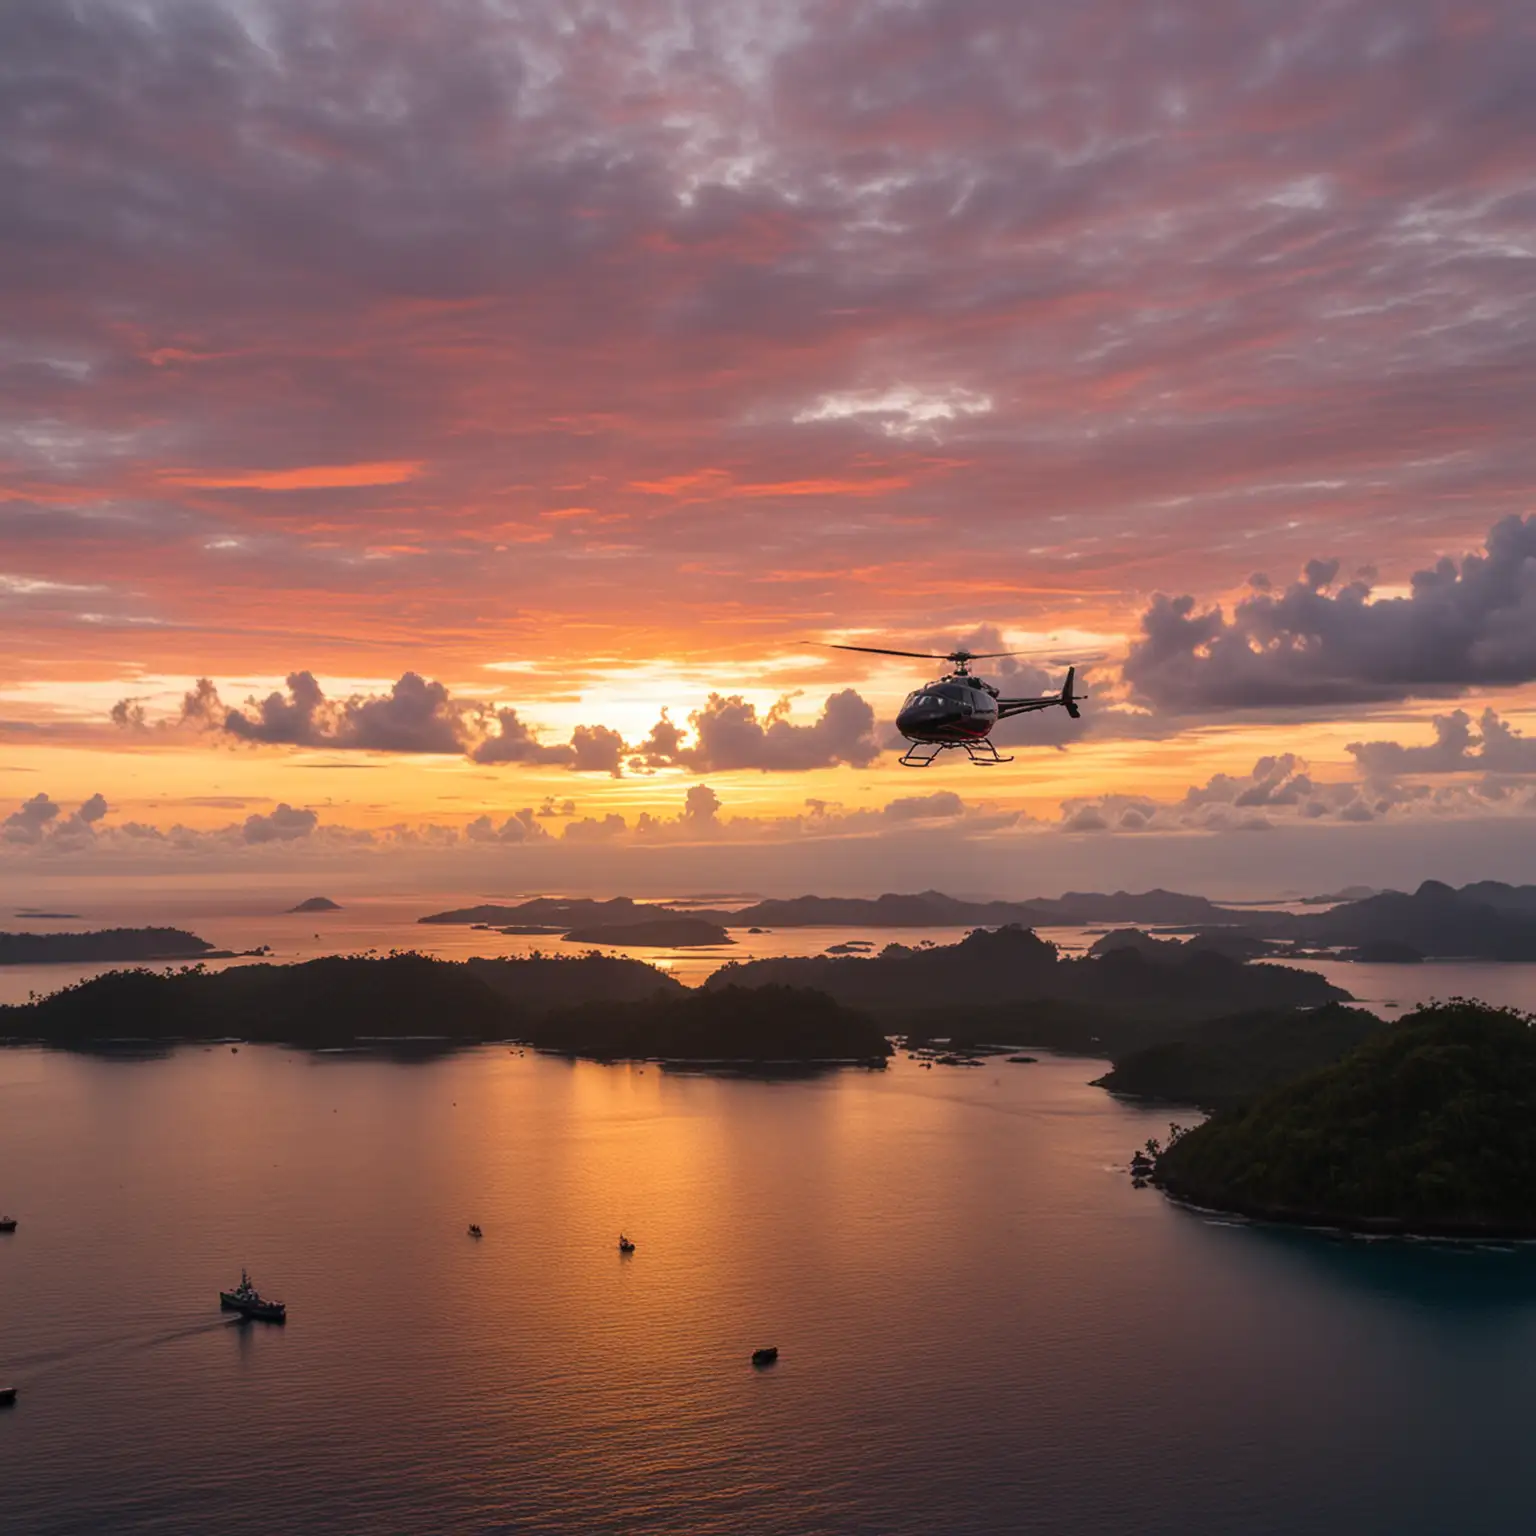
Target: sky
{"points": [[438, 442]]}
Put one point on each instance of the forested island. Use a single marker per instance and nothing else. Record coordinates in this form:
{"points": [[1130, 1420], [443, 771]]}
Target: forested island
{"points": [[593, 1005], [1009, 986], [1427, 1127], [316, 904], [108, 945], [765, 1026], [329, 1002], [1223, 1063]]}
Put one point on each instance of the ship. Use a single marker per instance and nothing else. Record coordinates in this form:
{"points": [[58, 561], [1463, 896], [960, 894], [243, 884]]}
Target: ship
{"points": [[249, 1302], [7, 1223]]}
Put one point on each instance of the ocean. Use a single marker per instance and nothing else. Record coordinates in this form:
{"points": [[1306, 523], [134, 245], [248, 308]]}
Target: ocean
{"points": [[982, 1326]]}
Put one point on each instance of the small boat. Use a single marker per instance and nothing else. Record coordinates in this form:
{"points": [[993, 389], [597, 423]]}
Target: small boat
{"points": [[625, 1246], [765, 1356], [250, 1303], [474, 1229], [7, 1223], [7, 1396]]}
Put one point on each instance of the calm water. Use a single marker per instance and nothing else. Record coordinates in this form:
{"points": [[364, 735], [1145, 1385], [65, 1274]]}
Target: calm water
{"points": [[983, 1327]]}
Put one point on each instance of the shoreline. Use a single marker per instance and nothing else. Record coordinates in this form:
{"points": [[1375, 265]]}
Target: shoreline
{"points": [[1341, 1225], [362, 1044]]}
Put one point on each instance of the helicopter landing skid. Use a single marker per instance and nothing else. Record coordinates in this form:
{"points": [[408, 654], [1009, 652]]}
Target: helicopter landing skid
{"points": [[922, 754]]}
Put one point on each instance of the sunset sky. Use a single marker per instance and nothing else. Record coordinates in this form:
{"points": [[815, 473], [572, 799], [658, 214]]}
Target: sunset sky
{"points": [[431, 436]]}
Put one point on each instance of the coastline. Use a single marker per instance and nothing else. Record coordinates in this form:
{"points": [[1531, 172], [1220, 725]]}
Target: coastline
{"points": [[1339, 1224]]}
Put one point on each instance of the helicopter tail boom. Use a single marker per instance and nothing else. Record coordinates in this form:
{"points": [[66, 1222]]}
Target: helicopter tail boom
{"points": [[1067, 699]]}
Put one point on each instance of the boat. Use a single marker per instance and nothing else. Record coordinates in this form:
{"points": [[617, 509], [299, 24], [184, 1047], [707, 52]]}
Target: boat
{"points": [[7, 1223], [7, 1396], [765, 1356], [474, 1229], [625, 1246], [250, 1303]]}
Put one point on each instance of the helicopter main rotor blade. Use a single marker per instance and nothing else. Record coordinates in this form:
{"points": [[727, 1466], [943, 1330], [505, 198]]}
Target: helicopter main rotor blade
{"points": [[876, 650]]}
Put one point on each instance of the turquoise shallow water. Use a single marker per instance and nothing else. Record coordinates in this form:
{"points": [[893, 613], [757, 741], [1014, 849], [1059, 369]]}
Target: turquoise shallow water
{"points": [[982, 1326]]}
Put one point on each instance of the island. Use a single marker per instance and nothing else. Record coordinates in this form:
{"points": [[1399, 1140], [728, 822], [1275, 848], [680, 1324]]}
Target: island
{"points": [[335, 1001], [329, 1002], [1235, 946], [1487, 920], [921, 909], [550, 912], [765, 1026], [655, 933], [1018, 989], [1226, 1062], [317, 904], [107, 945], [1428, 1127], [595, 1005]]}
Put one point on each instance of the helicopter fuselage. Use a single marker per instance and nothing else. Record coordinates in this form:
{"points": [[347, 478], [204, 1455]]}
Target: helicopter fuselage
{"points": [[959, 710], [955, 709]]}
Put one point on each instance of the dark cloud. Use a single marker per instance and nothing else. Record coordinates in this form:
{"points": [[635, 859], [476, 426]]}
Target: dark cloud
{"points": [[592, 829], [941, 804], [1461, 626], [729, 734], [1279, 780], [30, 823], [514, 742], [701, 806], [1278, 789], [40, 821], [414, 716], [1086, 818], [597, 749], [421, 716], [520, 827], [1494, 746], [284, 824]]}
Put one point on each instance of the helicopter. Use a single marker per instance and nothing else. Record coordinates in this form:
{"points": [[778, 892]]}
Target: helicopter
{"points": [[959, 710]]}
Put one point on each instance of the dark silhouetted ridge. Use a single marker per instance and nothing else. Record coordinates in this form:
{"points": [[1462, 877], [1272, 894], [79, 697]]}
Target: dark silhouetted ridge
{"points": [[763, 1026], [922, 909], [334, 1001], [1010, 974], [1231, 1061]]}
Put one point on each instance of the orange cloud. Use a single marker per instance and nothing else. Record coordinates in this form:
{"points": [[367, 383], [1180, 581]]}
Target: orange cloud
{"points": [[719, 482], [311, 477]]}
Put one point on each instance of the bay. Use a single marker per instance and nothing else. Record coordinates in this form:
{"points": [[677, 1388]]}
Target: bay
{"points": [[982, 1326]]}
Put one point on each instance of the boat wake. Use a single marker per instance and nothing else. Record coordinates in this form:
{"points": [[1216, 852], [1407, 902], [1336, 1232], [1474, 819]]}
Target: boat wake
{"points": [[45, 1362]]}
